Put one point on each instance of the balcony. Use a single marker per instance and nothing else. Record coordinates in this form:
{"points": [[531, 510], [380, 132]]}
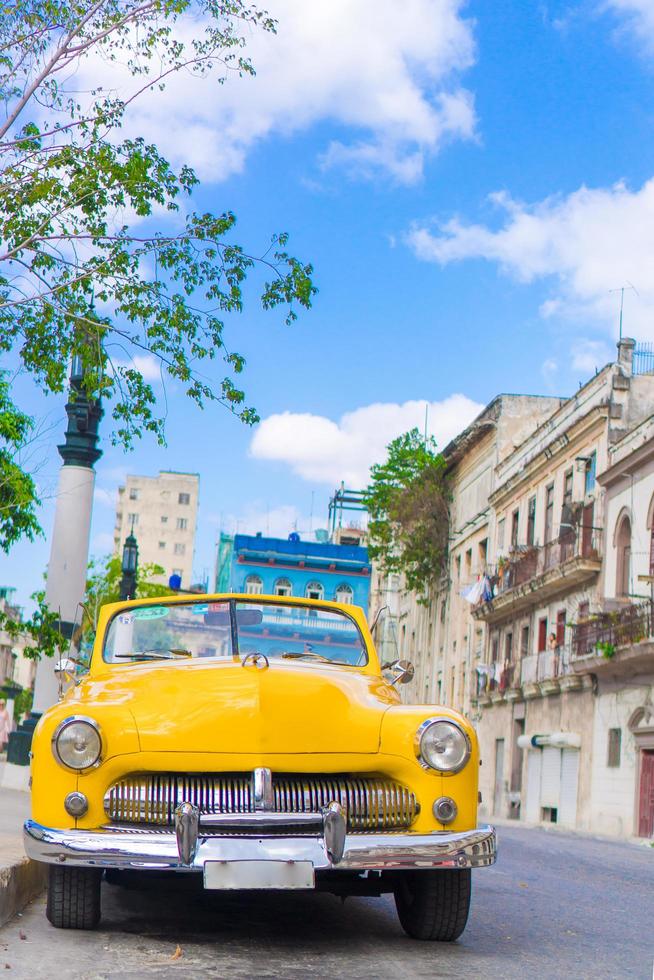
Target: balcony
{"points": [[533, 575], [621, 641]]}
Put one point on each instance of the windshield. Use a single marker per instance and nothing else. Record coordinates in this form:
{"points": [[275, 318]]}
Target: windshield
{"points": [[231, 630]]}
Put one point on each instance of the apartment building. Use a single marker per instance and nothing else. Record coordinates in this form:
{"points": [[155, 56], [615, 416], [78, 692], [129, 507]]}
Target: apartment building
{"points": [[436, 632], [15, 668], [162, 511], [542, 631]]}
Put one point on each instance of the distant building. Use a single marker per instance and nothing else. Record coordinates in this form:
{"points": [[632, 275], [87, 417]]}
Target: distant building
{"points": [[163, 511], [15, 669], [292, 567]]}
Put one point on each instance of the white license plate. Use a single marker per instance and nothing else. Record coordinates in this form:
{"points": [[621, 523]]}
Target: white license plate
{"points": [[228, 875]]}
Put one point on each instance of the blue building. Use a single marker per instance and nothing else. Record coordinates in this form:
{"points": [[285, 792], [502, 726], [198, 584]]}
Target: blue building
{"points": [[317, 570]]}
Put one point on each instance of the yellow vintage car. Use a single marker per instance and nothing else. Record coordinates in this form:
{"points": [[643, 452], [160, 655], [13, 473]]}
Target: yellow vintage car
{"points": [[254, 741]]}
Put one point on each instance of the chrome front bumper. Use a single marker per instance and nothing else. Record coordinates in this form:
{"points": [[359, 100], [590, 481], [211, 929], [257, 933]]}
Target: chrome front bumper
{"points": [[142, 850]]}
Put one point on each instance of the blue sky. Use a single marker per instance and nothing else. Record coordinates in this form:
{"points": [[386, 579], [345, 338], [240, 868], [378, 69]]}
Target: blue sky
{"points": [[470, 182]]}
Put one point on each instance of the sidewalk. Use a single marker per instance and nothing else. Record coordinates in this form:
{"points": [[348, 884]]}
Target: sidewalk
{"points": [[20, 879]]}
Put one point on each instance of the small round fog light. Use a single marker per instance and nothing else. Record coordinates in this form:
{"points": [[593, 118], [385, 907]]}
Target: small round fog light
{"points": [[445, 809], [76, 804]]}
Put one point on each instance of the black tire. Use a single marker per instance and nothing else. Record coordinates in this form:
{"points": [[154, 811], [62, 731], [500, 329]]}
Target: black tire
{"points": [[73, 897], [433, 904]]}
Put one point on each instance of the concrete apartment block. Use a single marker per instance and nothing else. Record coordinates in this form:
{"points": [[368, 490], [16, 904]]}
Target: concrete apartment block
{"points": [[163, 511]]}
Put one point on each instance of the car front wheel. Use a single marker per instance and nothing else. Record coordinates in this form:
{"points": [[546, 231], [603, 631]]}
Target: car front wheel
{"points": [[433, 904], [73, 897]]}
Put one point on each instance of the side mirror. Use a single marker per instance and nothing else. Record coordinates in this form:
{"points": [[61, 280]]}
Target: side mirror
{"points": [[403, 670], [65, 669]]}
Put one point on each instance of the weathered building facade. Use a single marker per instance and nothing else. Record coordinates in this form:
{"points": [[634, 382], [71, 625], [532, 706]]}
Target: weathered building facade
{"points": [[541, 630]]}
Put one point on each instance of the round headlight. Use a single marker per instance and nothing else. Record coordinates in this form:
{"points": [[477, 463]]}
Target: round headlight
{"points": [[76, 743], [442, 745]]}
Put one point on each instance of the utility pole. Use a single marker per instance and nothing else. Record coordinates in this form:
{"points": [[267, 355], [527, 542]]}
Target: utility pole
{"points": [[69, 556], [69, 549]]}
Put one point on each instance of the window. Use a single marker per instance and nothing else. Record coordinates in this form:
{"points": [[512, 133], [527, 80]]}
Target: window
{"points": [[483, 553], [457, 564], [615, 744], [182, 523], [531, 520], [184, 498], [164, 518], [567, 487], [524, 641], [253, 585], [508, 647], [495, 648], [282, 587], [133, 493], [623, 567], [180, 549], [314, 590], [515, 525], [344, 593], [443, 610], [589, 474], [542, 634], [500, 534], [133, 519], [560, 627], [468, 565], [549, 513], [162, 545]]}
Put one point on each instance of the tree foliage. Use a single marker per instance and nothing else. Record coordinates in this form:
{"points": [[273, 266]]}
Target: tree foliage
{"points": [[408, 502], [18, 498], [103, 586], [81, 206]]}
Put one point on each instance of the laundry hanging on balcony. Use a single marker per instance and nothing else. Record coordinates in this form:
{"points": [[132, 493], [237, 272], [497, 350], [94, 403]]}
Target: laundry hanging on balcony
{"points": [[479, 591]]}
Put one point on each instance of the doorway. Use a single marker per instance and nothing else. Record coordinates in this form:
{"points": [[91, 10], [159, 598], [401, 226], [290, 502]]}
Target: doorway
{"points": [[498, 796], [646, 794]]}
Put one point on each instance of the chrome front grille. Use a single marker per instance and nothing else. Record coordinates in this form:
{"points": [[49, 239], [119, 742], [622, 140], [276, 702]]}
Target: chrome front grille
{"points": [[371, 803]]}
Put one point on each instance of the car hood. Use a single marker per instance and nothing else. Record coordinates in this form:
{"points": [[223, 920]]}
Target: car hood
{"points": [[284, 708]]}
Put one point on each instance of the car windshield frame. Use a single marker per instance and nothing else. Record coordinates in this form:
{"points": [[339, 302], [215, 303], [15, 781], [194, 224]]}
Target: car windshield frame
{"points": [[309, 644]]}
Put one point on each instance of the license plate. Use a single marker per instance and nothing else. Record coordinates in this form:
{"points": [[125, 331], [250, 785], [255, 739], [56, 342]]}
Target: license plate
{"points": [[232, 875]]}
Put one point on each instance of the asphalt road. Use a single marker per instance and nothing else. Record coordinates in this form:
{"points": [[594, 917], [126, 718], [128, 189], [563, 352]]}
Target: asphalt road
{"points": [[554, 906]]}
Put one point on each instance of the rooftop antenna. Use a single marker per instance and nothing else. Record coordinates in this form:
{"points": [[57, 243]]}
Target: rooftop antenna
{"points": [[621, 290]]}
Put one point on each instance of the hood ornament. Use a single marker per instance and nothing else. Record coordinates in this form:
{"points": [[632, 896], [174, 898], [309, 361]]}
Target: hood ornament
{"points": [[258, 660]]}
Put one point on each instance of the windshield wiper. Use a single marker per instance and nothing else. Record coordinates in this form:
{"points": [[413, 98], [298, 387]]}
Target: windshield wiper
{"points": [[306, 655], [156, 654]]}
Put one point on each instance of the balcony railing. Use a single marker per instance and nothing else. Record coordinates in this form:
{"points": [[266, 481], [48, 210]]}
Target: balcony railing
{"points": [[544, 666], [604, 633], [531, 561]]}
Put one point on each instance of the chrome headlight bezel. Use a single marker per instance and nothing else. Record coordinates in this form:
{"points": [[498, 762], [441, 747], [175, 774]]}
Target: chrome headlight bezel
{"points": [[422, 730], [61, 727]]}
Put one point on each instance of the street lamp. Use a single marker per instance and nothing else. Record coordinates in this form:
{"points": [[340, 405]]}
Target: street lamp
{"points": [[129, 567]]}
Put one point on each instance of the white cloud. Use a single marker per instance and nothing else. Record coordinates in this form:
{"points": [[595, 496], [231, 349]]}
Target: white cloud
{"points": [[147, 364], [389, 76], [588, 355], [104, 497], [586, 244], [324, 451], [254, 517], [549, 369], [638, 16]]}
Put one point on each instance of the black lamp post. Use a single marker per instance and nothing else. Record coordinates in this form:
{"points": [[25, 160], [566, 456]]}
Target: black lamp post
{"points": [[130, 566]]}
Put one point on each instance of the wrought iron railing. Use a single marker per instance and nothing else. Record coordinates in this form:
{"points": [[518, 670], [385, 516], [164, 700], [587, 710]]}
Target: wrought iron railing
{"points": [[604, 633], [544, 666], [643, 362], [530, 561]]}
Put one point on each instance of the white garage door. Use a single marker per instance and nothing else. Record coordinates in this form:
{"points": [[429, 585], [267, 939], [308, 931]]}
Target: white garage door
{"points": [[532, 808], [550, 780], [569, 778]]}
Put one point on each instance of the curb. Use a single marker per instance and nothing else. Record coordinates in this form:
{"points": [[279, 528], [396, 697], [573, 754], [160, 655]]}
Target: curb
{"points": [[20, 882]]}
